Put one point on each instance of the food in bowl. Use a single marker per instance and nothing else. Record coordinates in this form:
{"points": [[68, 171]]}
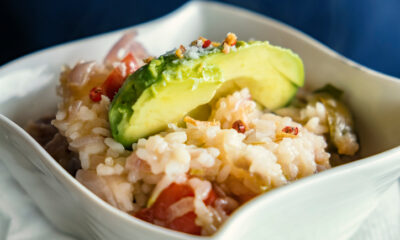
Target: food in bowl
{"points": [[183, 140]]}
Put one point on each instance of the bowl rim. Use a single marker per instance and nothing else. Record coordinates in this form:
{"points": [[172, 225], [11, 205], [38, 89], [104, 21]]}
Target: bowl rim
{"points": [[61, 173]]}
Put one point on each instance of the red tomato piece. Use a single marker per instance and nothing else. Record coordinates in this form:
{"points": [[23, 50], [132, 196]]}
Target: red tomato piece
{"points": [[118, 75], [158, 212], [170, 195], [186, 224], [212, 196], [146, 214]]}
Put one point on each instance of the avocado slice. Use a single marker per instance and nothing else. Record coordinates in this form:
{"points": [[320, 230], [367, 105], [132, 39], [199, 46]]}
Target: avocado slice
{"points": [[168, 88]]}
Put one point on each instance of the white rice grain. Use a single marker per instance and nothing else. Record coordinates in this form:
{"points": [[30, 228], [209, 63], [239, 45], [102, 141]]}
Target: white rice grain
{"points": [[101, 131], [114, 145], [85, 114]]}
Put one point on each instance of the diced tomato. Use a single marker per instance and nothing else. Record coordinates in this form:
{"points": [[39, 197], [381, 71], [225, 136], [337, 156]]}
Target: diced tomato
{"points": [[146, 214], [118, 75], [186, 224], [170, 195], [158, 212], [212, 196]]}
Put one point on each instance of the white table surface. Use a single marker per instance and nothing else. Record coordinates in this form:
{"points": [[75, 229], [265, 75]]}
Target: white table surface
{"points": [[20, 219]]}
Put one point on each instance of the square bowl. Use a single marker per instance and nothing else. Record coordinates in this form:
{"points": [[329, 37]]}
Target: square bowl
{"points": [[328, 205]]}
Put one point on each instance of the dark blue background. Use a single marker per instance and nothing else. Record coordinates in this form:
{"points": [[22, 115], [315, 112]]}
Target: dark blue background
{"points": [[366, 31]]}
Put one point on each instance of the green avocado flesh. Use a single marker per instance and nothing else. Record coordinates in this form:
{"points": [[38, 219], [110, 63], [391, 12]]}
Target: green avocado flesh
{"points": [[168, 88]]}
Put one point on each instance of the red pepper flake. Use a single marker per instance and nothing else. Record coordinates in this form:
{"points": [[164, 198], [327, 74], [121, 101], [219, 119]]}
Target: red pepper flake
{"points": [[239, 126], [194, 43], [206, 43], [95, 94], [180, 51], [231, 39], [290, 130]]}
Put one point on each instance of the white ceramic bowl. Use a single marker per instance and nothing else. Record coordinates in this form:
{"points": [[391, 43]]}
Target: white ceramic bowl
{"points": [[329, 205]]}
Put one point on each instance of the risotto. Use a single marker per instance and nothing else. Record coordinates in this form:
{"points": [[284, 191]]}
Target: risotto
{"points": [[193, 174]]}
